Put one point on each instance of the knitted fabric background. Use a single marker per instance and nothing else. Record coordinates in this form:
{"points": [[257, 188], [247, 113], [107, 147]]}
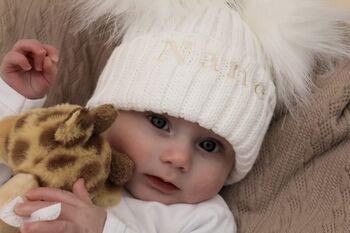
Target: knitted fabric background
{"points": [[82, 57], [301, 181]]}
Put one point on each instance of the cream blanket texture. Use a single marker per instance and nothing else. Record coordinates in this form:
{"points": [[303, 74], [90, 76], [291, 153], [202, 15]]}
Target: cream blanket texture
{"points": [[301, 181]]}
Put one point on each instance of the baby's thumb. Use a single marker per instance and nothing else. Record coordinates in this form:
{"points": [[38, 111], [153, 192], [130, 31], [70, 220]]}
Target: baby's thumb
{"points": [[80, 190], [50, 70]]}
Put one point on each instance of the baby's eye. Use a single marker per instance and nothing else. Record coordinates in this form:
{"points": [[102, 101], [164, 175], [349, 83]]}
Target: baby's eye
{"points": [[159, 122], [209, 145]]}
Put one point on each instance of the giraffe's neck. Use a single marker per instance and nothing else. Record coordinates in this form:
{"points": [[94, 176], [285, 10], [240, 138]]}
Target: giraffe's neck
{"points": [[5, 128]]}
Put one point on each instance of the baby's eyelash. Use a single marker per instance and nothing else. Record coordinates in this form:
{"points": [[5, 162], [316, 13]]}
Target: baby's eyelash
{"points": [[159, 121], [208, 143]]}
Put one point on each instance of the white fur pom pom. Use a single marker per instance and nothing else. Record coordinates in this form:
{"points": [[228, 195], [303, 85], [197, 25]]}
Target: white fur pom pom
{"points": [[293, 35], [123, 13]]}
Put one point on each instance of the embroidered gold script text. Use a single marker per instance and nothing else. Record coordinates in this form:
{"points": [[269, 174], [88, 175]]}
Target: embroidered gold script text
{"points": [[211, 61]]}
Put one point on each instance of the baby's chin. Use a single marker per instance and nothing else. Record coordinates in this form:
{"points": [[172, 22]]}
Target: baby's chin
{"points": [[166, 199], [153, 195]]}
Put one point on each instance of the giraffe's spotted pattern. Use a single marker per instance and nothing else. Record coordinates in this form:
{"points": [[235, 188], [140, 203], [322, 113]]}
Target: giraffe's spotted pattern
{"points": [[96, 187], [21, 122], [47, 137], [41, 182], [6, 141], [89, 170], [19, 152], [61, 161], [58, 161], [95, 142], [60, 144], [38, 160]]}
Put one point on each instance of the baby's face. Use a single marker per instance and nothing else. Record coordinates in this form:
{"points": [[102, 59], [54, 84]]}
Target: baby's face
{"points": [[176, 161]]}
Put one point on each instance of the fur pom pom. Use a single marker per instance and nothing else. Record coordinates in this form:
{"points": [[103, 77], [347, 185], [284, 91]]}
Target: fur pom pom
{"points": [[123, 13], [294, 35]]}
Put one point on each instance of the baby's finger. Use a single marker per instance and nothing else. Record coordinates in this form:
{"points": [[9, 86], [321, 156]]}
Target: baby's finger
{"points": [[33, 48], [52, 52], [80, 190], [50, 70], [52, 195], [14, 60], [26, 208], [29, 45], [57, 226]]}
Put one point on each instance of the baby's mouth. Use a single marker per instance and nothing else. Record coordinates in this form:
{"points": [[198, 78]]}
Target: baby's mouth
{"points": [[161, 185]]}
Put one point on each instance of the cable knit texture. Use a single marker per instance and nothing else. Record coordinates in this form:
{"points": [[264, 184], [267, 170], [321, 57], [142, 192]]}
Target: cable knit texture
{"points": [[301, 180]]}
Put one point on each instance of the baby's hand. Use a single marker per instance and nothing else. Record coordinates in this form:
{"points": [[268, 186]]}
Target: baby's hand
{"points": [[78, 214], [30, 68]]}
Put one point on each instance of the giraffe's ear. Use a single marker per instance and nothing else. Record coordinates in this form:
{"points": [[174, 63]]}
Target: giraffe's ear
{"points": [[122, 168], [104, 116], [77, 127]]}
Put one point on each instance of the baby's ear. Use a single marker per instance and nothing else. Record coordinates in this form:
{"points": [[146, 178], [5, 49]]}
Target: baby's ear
{"points": [[103, 116]]}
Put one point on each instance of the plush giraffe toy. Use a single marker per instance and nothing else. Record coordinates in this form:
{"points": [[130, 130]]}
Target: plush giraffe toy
{"points": [[55, 146]]}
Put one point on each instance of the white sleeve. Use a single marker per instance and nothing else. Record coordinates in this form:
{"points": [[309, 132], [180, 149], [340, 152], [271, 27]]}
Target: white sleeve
{"points": [[114, 225], [11, 102]]}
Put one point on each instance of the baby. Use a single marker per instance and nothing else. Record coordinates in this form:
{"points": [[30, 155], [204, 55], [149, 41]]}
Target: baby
{"points": [[196, 92], [177, 161]]}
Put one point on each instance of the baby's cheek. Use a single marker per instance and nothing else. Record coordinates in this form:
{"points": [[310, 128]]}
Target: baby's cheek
{"points": [[204, 190], [115, 142]]}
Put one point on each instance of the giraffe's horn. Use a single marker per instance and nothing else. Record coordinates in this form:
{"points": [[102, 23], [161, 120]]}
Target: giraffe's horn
{"points": [[77, 127]]}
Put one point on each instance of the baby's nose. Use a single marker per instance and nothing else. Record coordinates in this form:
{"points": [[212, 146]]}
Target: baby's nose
{"points": [[178, 158]]}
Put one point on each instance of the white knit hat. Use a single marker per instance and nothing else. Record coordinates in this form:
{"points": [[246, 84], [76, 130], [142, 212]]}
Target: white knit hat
{"points": [[216, 62]]}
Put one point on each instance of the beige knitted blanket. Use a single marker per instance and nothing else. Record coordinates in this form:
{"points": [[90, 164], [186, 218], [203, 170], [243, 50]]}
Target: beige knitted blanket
{"points": [[301, 181]]}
